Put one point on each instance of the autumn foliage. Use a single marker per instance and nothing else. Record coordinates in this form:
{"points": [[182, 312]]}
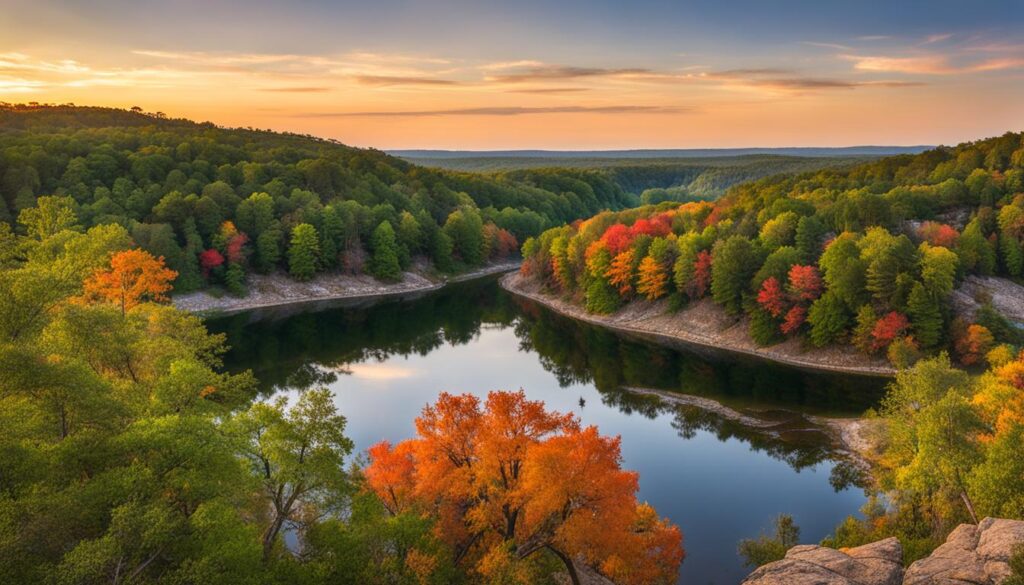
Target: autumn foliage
{"points": [[973, 344], [133, 276], [507, 481], [653, 280], [620, 273], [771, 297], [888, 328]]}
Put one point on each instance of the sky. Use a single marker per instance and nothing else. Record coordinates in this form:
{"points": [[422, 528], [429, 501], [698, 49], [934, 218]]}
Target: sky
{"points": [[567, 74]]}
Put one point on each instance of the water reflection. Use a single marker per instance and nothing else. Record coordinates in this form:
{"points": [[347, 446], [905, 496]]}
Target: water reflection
{"points": [[697, 466]]}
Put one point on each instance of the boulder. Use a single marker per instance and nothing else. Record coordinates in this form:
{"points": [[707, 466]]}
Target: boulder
{"points": [[878, 563], [971, 555]]}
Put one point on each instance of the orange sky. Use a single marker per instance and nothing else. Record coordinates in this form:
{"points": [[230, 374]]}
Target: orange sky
{"points": [[556, 92]]}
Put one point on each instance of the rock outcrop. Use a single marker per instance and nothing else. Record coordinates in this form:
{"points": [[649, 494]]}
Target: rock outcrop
{"points": [[878, 563], [975, 555], [972, 555]]}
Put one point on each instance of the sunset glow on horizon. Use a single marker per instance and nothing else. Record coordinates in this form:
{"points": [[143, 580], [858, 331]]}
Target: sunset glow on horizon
{"points": [[582, 75]]}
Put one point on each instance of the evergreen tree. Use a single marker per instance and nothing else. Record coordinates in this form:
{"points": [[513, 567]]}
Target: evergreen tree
{"points": [[828, 318], [304, 252], [234, 279], [441, 251], [809, 235], [733, 264], [384, 264], [925, 316], [602, 298]]}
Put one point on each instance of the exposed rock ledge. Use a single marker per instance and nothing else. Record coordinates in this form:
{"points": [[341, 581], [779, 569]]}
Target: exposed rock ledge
{"points": [[705, 325], [972, 555], [276, 290]]}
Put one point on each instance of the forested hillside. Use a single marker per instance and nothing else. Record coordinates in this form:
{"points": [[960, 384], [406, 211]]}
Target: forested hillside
{"points": [[217, 203], [865, 255], [654, 178]]}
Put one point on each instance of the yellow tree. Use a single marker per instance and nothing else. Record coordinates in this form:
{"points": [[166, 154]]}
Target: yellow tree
{"points": [[133, 276], [653, 282], [620, 273]]}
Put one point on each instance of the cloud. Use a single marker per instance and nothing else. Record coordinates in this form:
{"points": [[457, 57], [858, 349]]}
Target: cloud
{"points": [[309, 89], [540, 72], [873, 37], [549, 90], [931, 39], [929, 64], [827, 45], [504, 65], [503, 111], [383, 80]]}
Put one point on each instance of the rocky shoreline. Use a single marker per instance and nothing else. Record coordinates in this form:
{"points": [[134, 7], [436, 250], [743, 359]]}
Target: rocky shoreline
{"points": [[704, 325], [270, 291]]}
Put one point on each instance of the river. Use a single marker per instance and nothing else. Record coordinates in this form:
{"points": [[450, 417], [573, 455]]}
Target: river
{"points": [[719, 481]]}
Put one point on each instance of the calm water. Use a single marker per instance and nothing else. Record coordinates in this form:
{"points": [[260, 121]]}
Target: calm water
{"points": [[719, 481]]}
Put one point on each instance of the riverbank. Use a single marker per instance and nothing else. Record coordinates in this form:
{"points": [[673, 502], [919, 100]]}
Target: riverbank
{"points": [[705, 325], [278, 290], [852, 436]]}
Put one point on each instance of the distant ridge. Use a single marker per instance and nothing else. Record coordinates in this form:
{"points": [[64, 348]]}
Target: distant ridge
{"points": [[664, 153]]}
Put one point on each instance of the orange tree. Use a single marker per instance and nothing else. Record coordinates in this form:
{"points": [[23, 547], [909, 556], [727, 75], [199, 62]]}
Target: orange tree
{"points": [[508, 483], [133, 276]]}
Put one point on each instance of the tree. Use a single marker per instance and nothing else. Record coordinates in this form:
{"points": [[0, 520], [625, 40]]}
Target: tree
{"points": [[794, 319], [828, 318], [620, 273], [465, 228], [891, 326], [210, 260], [766, 549], [50, 216], [384, 264], [771, 297], [931, 433], [734, 262], [134, 276], [805, 283], [298, 456], [511, 482], [844, 271], [810, 233], [304, 252], [652, 281], [925, 316], [973, 344]]}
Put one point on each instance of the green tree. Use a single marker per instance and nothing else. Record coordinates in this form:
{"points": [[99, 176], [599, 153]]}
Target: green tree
{"points": [[298, 456], [925, 316], [766, 549], [734, 262], [384, 264], [304, 252], [829, 319], [50, 216]]}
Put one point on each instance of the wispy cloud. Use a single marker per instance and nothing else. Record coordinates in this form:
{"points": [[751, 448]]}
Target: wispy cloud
{"points": [[836, 46], [549, 90], [938, 38], [930, 64], [561, 72], [502, 111], [287, 89], [383, 80]]}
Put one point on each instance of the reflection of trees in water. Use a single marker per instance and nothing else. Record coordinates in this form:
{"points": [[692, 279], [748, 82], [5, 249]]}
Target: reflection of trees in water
{"points": [[581, 353], [288, 352], [309, 349]]}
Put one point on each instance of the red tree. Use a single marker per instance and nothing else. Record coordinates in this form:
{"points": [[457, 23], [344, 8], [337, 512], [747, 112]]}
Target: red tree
{"points": [[888, 328], [701, 281], [805, 283], [938, 234], [234, 247], [210, 259], [794, 319], [771, 298], [616, 238]]}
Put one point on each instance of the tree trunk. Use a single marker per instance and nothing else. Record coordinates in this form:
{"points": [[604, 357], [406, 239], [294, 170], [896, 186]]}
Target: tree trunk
{"points": [[569, 566], [970, 506]]}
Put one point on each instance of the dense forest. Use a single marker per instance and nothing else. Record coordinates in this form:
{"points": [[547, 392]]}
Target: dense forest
{"points": [[659, 178], [218, 203], [130, 456], [866, 255]]}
